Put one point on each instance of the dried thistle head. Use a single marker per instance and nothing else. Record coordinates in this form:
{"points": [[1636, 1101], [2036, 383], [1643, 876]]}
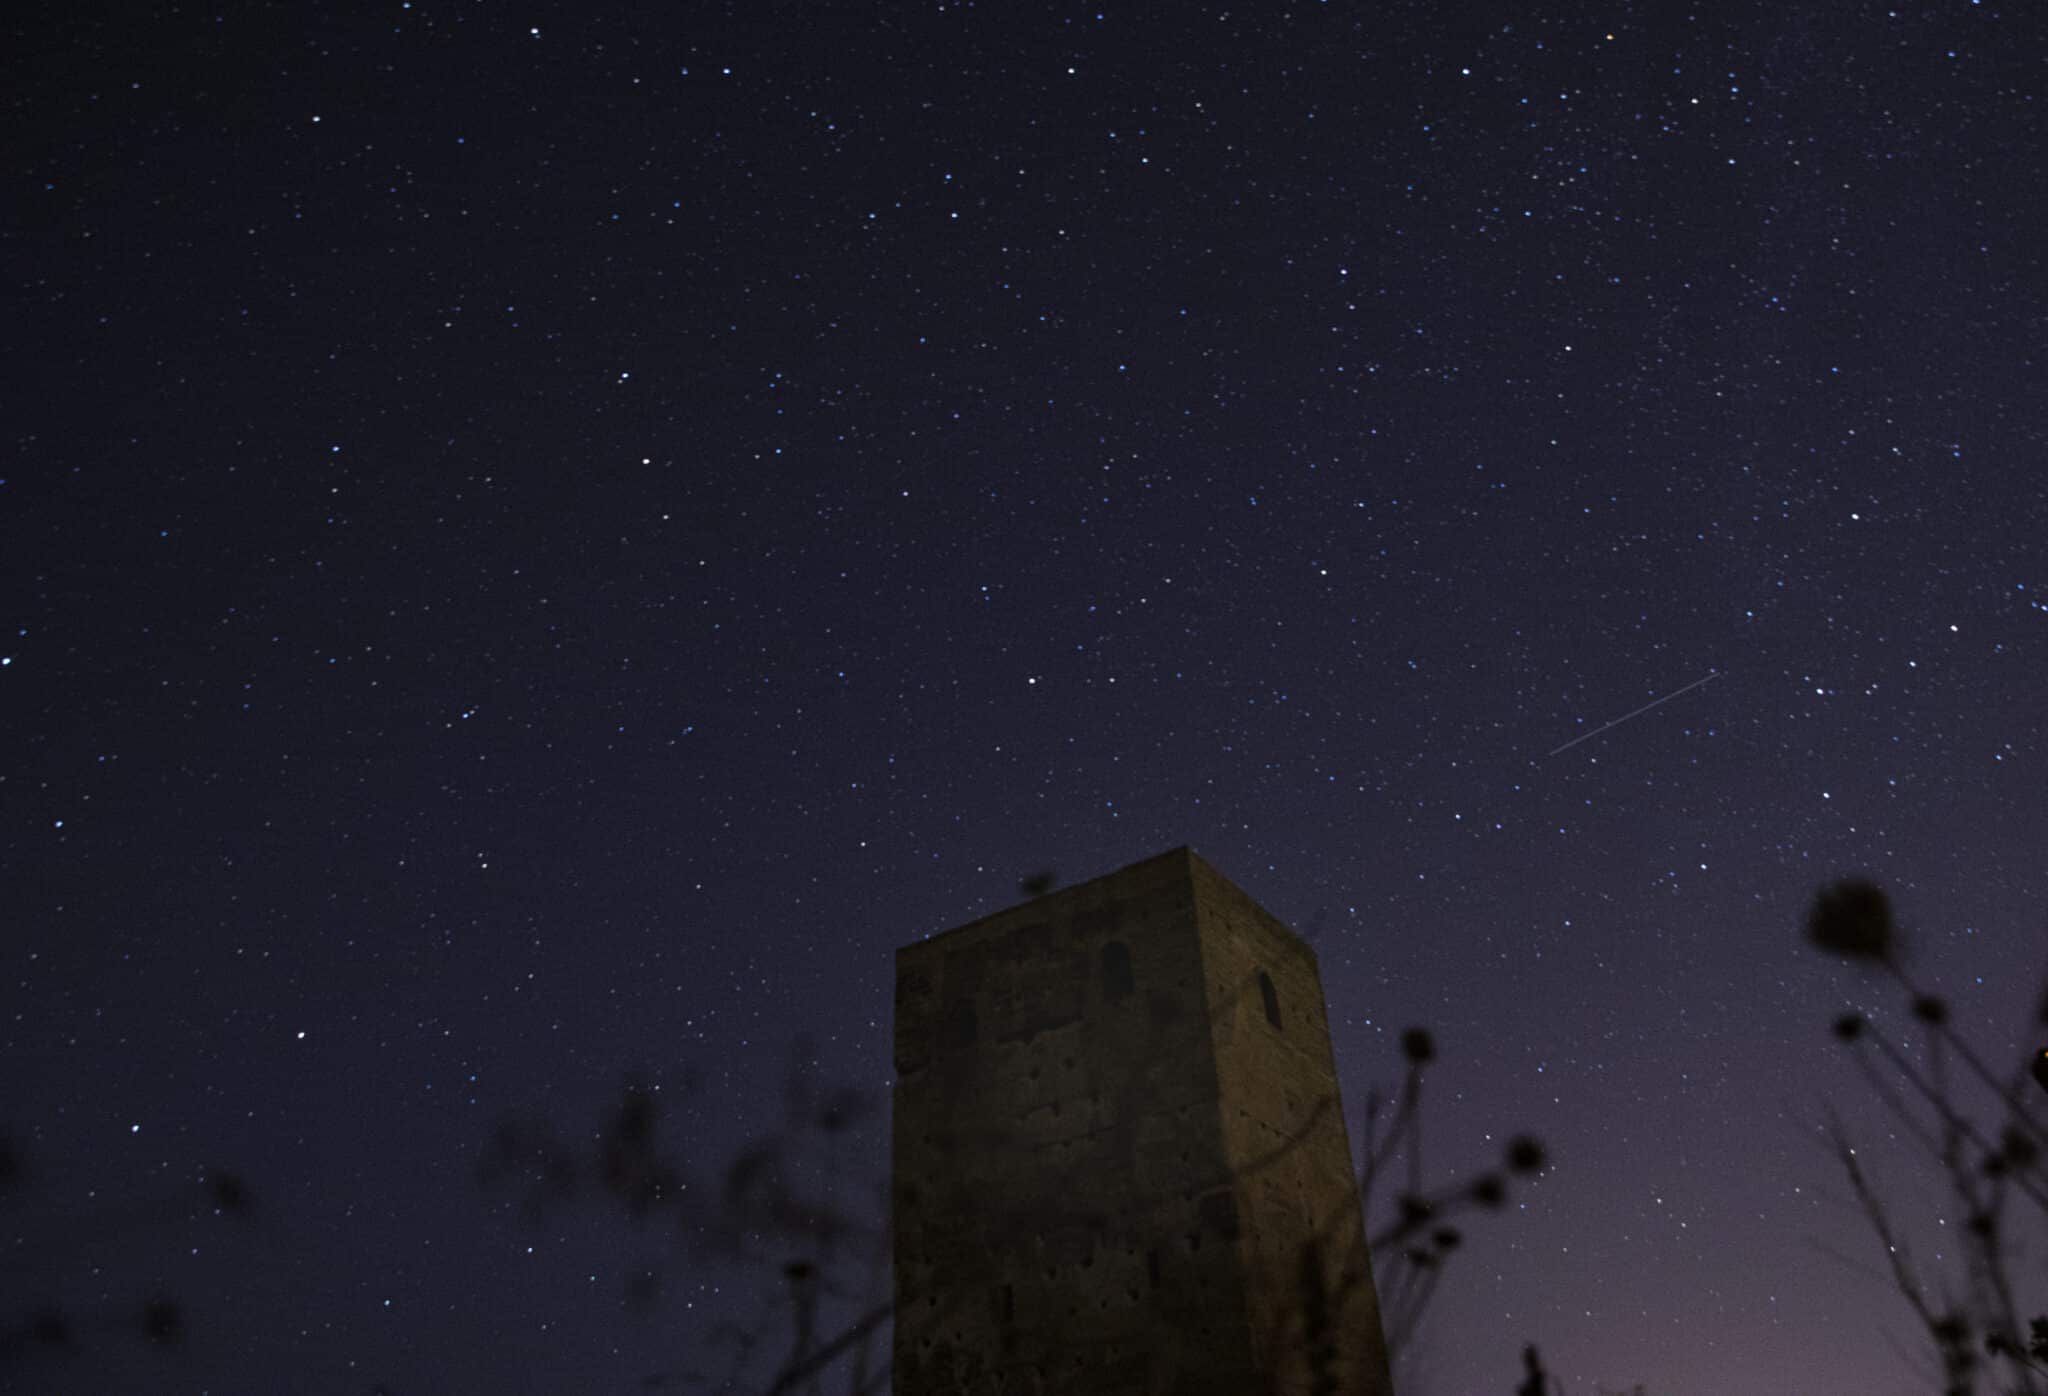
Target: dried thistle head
{"points": [[1853, 918], [1039, 883], [51, 1328], [1418, 1046], [163, 1321]]}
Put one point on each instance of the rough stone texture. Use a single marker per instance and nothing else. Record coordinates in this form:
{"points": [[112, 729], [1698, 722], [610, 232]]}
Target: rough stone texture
{"points": [[1109, 1160]]}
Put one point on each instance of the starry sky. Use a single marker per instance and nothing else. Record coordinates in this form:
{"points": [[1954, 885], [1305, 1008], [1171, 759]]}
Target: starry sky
{"points": [[542, 542]]}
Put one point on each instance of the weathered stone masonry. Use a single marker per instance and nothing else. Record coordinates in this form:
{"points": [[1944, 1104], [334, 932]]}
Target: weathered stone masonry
{"points": [[1116, 1130]]}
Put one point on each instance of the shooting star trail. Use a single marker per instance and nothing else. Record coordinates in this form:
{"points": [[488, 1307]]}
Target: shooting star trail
{"points": [[1587, 737]]}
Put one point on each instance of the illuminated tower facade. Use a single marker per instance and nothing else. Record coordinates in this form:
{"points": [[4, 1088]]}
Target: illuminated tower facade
{"points": [[1120, 1164]]}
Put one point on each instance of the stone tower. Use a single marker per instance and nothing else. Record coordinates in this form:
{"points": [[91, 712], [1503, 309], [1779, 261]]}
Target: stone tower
{"points": [[1116, 1134]]}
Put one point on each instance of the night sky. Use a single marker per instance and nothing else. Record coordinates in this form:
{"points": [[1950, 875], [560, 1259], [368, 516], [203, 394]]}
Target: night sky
{"points": [[542, 542]]}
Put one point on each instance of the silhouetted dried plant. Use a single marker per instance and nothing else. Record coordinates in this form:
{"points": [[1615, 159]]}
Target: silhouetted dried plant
{"points": [[1039, 883], [1411, 1247], [1989, 1167], [1535, 1381], [41, 1331], [1852, 918], [756, 1213]]}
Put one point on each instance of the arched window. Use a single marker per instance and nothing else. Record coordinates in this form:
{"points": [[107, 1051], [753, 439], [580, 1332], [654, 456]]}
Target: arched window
{"points": [[1116, 970], [960, 1024], [1272, 998]]}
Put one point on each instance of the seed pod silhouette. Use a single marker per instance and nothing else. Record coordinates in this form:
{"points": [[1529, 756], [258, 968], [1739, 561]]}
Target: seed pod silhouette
{"points": [[1852, 917]]}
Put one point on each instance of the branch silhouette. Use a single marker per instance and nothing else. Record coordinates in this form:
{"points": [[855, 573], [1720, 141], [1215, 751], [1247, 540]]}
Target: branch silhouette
{"points": [[1989, 1166]]}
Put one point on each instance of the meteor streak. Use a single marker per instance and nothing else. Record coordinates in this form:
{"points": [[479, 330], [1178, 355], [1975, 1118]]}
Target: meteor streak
{"points": [[1711, 674]]}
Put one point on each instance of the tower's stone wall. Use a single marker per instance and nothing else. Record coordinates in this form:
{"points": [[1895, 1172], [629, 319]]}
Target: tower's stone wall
{"points": [[1090, 1095], [1284, 1141]]}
